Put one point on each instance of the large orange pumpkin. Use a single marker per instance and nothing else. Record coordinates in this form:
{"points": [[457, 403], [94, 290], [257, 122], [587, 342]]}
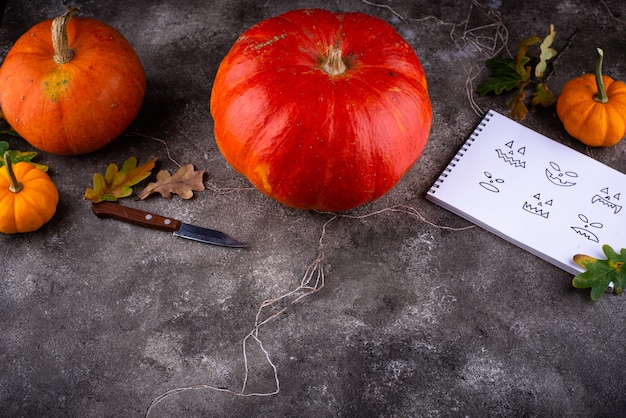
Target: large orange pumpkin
{"points": [[321, 110], [71, 90]]}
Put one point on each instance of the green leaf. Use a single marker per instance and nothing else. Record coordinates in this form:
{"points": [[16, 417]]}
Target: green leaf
{"points": [[600, 273], [547, 53], [517, 75], [543, 96], [504, 76], [19, 156], [117, 183], [9, 131]]}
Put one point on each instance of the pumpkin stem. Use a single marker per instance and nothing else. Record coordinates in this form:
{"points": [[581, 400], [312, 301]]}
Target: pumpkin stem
{"points": [[333, 64], [14, 185], [62, 51], [601, 95]]}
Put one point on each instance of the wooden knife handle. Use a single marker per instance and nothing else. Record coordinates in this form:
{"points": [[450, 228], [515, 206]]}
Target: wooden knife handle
{"points": [[135, 216]]}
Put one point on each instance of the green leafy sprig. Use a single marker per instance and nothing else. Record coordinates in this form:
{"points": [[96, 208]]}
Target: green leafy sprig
{"points": [[600, 274], [520, 74], [19, 156]]}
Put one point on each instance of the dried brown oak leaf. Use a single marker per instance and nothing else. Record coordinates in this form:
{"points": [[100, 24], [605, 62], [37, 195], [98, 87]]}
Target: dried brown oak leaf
{"points": [[183, 183]]}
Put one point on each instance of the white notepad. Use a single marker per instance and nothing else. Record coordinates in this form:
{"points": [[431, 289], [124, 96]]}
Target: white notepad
{"points": [[534, 192]]}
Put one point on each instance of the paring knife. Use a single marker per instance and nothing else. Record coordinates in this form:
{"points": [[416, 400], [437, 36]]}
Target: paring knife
{"points": [[151, 220]]}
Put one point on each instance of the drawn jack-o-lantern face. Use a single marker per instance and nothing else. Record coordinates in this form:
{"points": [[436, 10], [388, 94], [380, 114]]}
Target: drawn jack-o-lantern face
{"points": [[491, 182], [514, 158], [608, 201], [585, 231], [560, 177], [538, 206]]}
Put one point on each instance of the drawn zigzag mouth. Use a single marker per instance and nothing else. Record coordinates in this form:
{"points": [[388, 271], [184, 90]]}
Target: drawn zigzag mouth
{"points": [[586, 233], [511, 160], [535, 210]]}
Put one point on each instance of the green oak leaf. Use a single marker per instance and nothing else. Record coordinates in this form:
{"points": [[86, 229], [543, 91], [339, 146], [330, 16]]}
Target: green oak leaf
{"points": [[600, 273]]}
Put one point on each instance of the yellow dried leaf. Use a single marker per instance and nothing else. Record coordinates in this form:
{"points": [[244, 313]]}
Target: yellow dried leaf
{"points": [[117, 183]]}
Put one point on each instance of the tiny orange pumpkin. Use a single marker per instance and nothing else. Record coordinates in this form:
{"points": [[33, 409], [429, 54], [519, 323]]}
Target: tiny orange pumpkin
{"points": [[592, 108], [70, 86], [28, 197]]}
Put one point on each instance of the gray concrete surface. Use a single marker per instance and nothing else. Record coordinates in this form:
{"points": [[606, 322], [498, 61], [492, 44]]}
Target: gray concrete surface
{"points": [[100, 318]]}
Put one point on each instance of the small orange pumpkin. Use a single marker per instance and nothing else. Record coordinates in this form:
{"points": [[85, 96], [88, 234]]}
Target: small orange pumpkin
{"points": [[71, 86], [592, 108], [28, 197]]}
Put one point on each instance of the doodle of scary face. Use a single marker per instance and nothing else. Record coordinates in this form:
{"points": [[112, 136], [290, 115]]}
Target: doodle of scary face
{"points": [[510, 156], [585, 231], [540, 207], [559, 177], [605, 199], [491, 183]]}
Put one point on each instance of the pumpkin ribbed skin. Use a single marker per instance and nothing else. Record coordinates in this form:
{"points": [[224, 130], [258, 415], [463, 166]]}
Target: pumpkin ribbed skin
{"points": [[593, 123], [31, 207], [79, 106], [312, 140]]}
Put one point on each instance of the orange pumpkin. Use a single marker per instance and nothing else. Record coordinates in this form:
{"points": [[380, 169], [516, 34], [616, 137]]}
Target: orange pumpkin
{"points": [[592, 108], [71, 85], [28, 198]]}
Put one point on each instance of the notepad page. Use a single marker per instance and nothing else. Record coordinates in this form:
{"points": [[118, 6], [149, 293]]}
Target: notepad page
{"points": [[535, 192]]}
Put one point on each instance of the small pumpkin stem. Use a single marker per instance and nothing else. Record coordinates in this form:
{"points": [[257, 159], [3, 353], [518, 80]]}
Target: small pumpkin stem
{"points": [[62, 51], [333, 64], [14, 185], [601, 95]]}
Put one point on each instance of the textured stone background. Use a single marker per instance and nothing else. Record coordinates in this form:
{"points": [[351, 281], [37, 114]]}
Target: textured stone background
{"points": [[98, 318]]}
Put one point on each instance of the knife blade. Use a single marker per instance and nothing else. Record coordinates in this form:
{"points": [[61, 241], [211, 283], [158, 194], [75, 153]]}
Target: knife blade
{"points": [[162, 223]]}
